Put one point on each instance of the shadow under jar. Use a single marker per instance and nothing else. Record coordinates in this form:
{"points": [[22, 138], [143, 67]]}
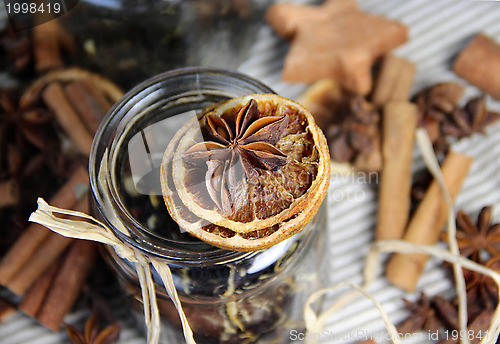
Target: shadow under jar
{"points": [[228, 296]]}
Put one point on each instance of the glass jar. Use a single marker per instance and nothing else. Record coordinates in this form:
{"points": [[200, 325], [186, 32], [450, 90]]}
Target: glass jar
{"points": [[228, 296]]}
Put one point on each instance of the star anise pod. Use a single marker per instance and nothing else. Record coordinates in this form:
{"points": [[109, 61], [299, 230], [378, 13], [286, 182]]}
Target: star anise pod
{"points": [[482, 291], [236, 147], [477, 329], [423, 316], [477, 238], [439, 313], [92, 333], [482, 299], [474, 117], [443, 118]]}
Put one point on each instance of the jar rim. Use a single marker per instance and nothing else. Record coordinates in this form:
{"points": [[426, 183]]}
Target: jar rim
{"points": [[146, 241]]}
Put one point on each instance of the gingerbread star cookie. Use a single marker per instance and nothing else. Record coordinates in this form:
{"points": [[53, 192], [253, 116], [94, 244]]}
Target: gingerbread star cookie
{"points": [[335, 40]]}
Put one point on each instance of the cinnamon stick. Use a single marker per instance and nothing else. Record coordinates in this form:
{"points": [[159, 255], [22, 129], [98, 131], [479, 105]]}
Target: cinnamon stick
{"points": [[403, 269], [10, 193], [35, 234], [97, 84], [77, 265], [394, 81], [41, 258], [479, 64], [67, 117], [398, 136], [33, 300], [45, 47], [90, 110], [6, 309], [49, 39]]}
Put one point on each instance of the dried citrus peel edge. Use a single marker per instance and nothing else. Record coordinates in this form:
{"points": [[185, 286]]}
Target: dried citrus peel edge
{"points": [[243, 227], [315, 322]]}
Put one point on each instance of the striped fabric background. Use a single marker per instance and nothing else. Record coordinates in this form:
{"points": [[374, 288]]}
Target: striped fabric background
{"points": [[439, 29]]}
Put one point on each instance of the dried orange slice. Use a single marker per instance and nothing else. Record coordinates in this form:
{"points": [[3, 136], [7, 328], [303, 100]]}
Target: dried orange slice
{"points": [[247, 173]]}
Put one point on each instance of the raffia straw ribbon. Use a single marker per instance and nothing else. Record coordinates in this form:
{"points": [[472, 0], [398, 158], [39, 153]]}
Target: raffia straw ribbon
{"points": [[83, 226], [316, 322]]}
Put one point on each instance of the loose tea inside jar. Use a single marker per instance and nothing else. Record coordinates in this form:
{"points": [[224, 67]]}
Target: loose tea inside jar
{"points": [[228, 296]]}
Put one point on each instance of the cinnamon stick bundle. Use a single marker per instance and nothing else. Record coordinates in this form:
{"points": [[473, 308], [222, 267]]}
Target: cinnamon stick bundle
{"points": [[35, 234], [66, 286], [79, 108], [6, 309], [67, 117], [87, 105], [394, 81], [403, 270], [41, 258], [33, 299], [53, 294], [398, 136], [54, 275]]}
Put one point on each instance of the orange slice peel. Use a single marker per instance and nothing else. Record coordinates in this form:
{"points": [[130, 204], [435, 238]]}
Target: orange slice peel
{"points": [[247, 173]]}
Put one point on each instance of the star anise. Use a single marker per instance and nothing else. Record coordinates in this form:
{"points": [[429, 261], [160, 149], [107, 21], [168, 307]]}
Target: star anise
{"points": [[92, 333], [234, 149], [482, 299], [423, 316], [443, 118], [474, 117], [475, 239], [482, 291], [477, 329], [438, 313]]}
